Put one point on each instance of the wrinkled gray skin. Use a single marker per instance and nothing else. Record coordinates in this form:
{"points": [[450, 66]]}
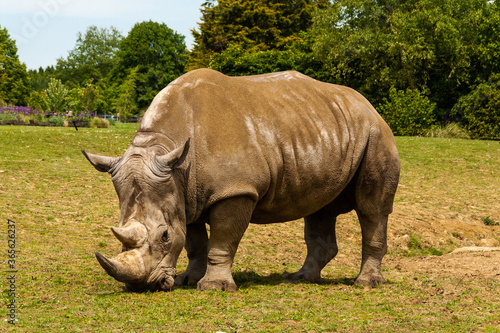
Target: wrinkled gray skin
{"points": [[229, 151]]}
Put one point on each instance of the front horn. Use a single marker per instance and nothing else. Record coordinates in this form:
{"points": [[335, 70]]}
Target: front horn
{"points": [[132, 234], [127, 267]]}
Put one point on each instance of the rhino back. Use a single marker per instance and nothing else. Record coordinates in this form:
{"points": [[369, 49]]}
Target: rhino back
{"points": [[290, 142]]}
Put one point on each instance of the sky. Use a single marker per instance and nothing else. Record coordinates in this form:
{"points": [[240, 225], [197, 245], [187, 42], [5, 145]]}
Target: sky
{"points": [[45, 30]]}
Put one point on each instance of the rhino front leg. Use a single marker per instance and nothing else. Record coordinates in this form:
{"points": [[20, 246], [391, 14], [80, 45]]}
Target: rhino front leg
{"points": [[197, 252], [228, 221]]}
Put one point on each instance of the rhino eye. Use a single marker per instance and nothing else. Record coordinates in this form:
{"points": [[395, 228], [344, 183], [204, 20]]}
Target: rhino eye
{"points": [[164, 237]]}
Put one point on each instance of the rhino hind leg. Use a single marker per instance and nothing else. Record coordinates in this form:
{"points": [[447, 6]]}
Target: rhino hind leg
{"points": [[321, 241], [374, 234], [376, 185], [197, 252], [229, 220]]}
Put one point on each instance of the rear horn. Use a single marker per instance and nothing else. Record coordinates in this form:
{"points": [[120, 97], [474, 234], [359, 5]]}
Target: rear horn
{"points": [[133, 234]]}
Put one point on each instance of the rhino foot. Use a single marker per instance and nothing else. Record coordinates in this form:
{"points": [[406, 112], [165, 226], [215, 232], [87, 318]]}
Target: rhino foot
{"points": [[217, 284], [303, 275], [188, 279], [369, 281]]}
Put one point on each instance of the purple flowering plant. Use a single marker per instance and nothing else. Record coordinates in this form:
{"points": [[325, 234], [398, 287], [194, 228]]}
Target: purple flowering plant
{"points": [[26, 113]]}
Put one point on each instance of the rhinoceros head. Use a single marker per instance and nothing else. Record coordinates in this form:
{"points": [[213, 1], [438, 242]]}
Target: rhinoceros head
{"points": [[152, 226]]}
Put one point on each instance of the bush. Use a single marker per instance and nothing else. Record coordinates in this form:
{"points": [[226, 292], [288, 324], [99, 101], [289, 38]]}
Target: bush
{"points": [[451, 131], [8, 116], [57, 120], [408, 112], [97, 122], [480, 109]]}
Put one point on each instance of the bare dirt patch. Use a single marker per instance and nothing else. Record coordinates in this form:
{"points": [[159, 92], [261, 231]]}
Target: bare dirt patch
{"points": [[472, 263]]}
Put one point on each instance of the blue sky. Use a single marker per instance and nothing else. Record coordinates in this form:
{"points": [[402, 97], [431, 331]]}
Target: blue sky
{"points": [[46, 30]]}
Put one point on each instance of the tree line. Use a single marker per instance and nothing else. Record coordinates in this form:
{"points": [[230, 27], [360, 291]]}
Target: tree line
{"points": [[422, 63]]}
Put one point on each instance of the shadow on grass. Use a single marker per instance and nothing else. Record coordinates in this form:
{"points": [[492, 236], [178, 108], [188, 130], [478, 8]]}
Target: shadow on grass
{"points": [[250, 278], [246, 280]]}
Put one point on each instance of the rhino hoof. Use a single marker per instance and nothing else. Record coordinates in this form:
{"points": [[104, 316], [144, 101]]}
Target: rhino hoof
{"points": [[370, 281], [301, 275], [186, 279], [223, 285]]}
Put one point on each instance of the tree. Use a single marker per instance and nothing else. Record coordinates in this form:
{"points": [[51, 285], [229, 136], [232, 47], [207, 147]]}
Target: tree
{"points": [[87, 97], [487, 51], [125, 104], [14, 80], [55, 96], [480, 109], [39, 79], [36, 100], [425, 45], [253, 26], [236, 61], [92, 58], [156, 53]]}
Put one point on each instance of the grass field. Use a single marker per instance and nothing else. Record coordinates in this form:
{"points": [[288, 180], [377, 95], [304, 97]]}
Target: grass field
{"points": [[63, 208]]}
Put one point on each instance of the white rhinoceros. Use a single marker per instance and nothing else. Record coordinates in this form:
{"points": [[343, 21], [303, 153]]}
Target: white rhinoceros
{"points": [[229, 151]]}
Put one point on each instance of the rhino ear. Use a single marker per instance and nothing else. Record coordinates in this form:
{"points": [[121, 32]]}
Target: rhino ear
{"points": [[101, 163], [176, 157]]}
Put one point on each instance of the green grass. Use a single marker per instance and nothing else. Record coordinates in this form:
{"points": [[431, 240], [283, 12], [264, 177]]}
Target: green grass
{"points": [[63, 209]]}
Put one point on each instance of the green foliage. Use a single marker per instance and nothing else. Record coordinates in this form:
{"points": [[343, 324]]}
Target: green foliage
{"points": [[87, 97], [236, 61], [56, 120], [487, 51], [156, 53], [255, 25], [55, 96], [36, 100], [125, 104], [39, 79], [8, 116], [416, 248], [92, 58], [14, 82], [408, 112], [488, 221], [480, 109], [451, 131], [426, 45], [97, 122]]}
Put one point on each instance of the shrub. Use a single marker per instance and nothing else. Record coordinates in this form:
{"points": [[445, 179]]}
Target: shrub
{"points": [[57, 120], [97, 122], [480, 109], [408, 112], [451, 131], [8, 116]]}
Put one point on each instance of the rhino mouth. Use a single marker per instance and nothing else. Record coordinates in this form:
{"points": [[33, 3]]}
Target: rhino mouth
{"points": [[162, 278], [165, 284]]}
